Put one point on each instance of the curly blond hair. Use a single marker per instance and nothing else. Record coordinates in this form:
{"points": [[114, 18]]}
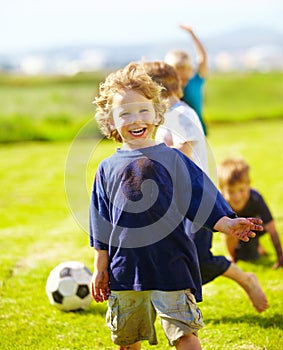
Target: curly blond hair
{"points": [[131, 77]]}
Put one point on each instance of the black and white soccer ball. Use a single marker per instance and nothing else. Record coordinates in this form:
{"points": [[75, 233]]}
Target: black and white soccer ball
{"points": [[68, 286]]}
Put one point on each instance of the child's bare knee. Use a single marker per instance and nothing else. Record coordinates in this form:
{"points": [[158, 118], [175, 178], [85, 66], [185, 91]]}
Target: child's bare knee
{"points": [[188, 342], [136, 346]]}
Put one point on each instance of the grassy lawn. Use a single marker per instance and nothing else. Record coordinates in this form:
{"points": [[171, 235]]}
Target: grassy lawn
{"points": [[38, 231], [242, 96], [45, 108], [54, 108]]}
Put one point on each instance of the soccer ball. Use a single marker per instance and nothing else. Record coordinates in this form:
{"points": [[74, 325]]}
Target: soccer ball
{"points": [[68, 286]]}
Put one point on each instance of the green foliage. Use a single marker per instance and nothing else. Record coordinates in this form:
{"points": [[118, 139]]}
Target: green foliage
{"points": [[46, 108], [56, 107], [38, 231], [243, 96]]}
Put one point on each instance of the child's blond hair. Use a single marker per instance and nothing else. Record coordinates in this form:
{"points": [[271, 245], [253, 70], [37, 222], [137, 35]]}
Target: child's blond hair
{"points": [[132, 77], [232, 171], [165, 75], [178, 59]]}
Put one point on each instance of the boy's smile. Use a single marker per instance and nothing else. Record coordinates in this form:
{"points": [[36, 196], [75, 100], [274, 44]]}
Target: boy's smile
{"points": [[237, 195], [138, 132], [135, 119]]}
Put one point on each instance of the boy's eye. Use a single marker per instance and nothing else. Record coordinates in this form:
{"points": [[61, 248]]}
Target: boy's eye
{"points": [[124, 114]]}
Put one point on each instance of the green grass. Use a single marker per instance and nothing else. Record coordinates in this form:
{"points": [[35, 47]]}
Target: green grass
{"points": [[243, 96], [37, 232], [46, 108], [54, 108]]}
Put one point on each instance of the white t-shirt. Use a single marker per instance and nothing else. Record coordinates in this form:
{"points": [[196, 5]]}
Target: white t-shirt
{"points": [[182, 124]]}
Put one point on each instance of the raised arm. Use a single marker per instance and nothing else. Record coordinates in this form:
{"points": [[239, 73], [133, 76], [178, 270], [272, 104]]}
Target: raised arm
{"points": [[201, 53]]}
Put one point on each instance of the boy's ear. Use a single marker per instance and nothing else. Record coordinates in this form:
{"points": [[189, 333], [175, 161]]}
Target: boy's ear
{"points": [[157, 119], [110, 123]]}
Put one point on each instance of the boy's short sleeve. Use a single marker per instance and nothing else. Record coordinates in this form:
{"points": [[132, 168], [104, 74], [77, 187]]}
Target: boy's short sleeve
{"points": [[207, 204], [265, 213], [99, 220], [256, 207]]}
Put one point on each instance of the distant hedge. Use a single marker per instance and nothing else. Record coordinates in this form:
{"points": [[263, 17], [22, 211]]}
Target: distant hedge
{"points": [[54, 108]]}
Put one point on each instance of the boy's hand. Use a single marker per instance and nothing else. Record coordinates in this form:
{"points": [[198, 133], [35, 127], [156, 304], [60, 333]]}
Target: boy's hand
{"points": [[100, 286], [186, 28], [278, 264], [241, 228]]}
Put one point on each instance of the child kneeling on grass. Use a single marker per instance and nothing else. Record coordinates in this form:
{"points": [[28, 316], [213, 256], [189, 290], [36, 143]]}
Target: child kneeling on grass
{"points": [[235, 185], [145, 263]]}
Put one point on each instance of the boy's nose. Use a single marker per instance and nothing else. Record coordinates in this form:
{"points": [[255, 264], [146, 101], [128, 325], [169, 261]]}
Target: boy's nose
{"points": [[136, 117], [236, 196]]}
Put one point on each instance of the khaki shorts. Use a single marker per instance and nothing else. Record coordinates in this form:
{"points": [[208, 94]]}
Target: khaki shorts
{"points": [[131, 315]]}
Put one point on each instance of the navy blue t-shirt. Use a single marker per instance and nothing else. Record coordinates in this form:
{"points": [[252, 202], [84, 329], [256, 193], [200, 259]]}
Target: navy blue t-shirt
{"points": [[255, 207], [139, 203]]}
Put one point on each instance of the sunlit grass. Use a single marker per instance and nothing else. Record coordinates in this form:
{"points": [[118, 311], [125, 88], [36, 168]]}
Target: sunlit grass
{"points": [[243, 96], [54, 108], [38, 231]]}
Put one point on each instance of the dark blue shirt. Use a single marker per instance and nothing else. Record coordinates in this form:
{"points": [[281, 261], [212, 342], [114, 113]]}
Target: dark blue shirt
{"points": [[255, 207], [139, 203]]}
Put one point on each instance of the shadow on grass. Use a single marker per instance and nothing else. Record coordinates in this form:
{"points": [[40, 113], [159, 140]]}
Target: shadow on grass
{"points": [[93, 309], [273, 321], [266, 261]]}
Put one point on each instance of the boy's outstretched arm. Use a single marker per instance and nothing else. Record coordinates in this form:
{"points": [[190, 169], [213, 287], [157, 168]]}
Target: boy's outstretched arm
{"points": [[241, 228], [100, 278], [201, 53]]}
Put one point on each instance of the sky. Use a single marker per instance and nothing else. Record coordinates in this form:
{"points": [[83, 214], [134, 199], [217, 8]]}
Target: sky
{"points": [[40, 24]]}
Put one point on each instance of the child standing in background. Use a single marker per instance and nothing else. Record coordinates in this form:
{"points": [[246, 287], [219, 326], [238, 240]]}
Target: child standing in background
{"points": [[192, 80], [182, 130]]}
